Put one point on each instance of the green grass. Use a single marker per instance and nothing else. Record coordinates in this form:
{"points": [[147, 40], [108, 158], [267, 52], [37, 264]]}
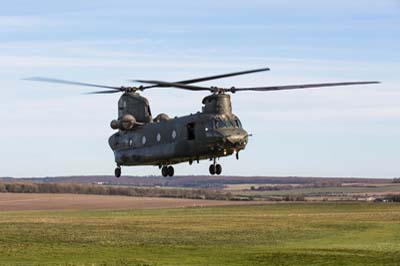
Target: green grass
{"points": [[277, 234]]}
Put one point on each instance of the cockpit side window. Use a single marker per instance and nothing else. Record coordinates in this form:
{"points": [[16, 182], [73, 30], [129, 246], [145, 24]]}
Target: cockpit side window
{"points": [[219, 123], [209, 125]]}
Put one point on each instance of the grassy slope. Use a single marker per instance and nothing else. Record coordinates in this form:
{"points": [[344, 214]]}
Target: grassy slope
{"points": [[281, 234]]}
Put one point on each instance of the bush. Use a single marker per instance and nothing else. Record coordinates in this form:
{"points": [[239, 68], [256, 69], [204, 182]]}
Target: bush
{"points": [[392, 198], [294, 198]]}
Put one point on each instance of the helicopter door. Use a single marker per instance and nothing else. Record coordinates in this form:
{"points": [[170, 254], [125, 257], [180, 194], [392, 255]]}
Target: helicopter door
{"points": [[190, 131]]}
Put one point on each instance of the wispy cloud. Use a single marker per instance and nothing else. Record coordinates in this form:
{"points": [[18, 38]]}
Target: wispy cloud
{"points": [[8, 23]]}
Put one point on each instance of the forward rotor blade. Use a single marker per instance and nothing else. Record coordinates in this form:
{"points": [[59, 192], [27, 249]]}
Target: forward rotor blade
{"points": [[189, 81], [61, 81], [174, 84], [301, 86]]}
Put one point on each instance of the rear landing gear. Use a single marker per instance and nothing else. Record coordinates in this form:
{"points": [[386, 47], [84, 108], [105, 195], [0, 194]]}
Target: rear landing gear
{"points": [[167, 171], [117, 172]]}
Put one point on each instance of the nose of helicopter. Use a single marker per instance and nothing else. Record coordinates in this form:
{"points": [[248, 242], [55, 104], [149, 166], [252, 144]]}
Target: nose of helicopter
{"points": [[235, 138]]}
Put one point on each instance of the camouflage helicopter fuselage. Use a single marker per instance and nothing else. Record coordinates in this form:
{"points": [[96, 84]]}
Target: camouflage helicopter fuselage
{"points": [[215, 132]]}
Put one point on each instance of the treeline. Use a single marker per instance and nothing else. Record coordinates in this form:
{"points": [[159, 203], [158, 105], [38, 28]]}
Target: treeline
{"points": [[297, 186], [114, 190], [392, 198]]}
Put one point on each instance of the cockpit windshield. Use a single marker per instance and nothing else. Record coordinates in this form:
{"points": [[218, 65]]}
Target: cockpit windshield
{"points": [[227, 123], [238, 123]]}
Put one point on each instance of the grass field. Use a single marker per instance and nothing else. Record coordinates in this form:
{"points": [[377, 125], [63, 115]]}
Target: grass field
{"points": [[43, 201], [274, 234]]}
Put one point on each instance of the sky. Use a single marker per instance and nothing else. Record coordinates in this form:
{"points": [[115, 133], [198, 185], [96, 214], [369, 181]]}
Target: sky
{"points": [[57, 130]]}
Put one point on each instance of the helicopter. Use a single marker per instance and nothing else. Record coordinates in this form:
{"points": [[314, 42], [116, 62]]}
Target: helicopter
{"points": [[162, 141]]}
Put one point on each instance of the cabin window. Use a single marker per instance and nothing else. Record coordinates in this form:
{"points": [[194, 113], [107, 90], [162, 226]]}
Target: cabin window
{"points": [[190, 131], [158, 137], [144, 140], [130, 142], [173, 134]]}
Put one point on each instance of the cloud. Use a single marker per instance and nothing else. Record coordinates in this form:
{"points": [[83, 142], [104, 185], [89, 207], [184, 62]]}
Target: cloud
{"points": [[12, 23], [113, 58], [58, 61]]}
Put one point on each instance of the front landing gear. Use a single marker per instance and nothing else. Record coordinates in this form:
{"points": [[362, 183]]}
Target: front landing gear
{"points": [[167, 171], [218, 169], [117, 172], [215, 169]]}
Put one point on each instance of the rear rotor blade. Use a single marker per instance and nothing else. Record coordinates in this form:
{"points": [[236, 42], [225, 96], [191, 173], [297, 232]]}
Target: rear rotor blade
{"points": [[301, 86], [61, 81], [102, 92]]}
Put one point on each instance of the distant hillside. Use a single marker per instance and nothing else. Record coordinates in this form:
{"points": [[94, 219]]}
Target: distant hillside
{"points": [[196, 181]]}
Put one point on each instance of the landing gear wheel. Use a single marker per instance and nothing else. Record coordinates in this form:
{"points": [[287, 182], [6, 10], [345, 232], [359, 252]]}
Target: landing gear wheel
{"points": [[212, 169], [117, 172], [164, 171], [170, 171], [218, 169]]}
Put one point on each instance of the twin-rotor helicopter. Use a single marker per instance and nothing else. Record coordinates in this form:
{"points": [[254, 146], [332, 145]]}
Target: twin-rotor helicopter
{"points": [[162, 141]]}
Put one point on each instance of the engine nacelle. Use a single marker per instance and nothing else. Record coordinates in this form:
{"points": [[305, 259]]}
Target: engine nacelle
{"points": [[114, 124], [161, 117], [126, 123]]}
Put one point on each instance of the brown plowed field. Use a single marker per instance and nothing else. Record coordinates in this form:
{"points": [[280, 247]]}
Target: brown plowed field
{"points": [[22, 201]]}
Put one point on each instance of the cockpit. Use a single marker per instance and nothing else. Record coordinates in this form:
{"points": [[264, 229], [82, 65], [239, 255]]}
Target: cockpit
{"points": [[227, 123]]}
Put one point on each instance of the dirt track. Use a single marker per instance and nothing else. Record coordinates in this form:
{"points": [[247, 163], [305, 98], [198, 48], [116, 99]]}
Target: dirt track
{"points": [[21, 201]]}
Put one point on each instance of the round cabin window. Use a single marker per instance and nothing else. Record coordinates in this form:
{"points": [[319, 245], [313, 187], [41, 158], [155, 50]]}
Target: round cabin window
{"points": [[173, 134]]}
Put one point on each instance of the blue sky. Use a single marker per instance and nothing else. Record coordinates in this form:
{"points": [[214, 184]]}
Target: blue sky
{"points": [[351, 131]]}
